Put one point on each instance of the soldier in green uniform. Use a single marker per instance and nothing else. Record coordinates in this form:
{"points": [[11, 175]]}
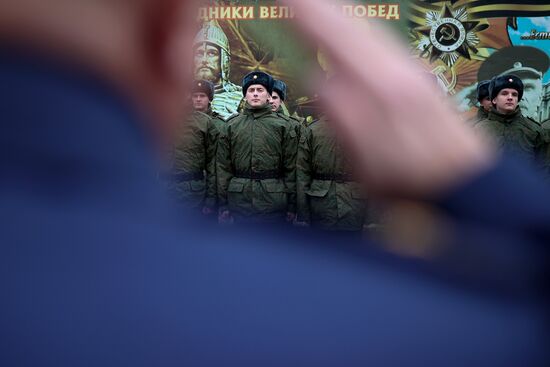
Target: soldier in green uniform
{"points": [[193, 163], [202, 94], [202, 97], [278, 97], [526, 62], [485, 104], [256, 160], [509, 129], [329, 196]]}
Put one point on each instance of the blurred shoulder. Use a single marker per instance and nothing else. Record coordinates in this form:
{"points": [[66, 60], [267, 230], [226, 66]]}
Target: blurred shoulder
{"points": [[200, 116], [485, 122]]}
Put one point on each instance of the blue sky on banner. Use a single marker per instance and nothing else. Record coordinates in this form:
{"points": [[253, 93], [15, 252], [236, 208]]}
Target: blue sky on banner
{"points": [[525, 26]]}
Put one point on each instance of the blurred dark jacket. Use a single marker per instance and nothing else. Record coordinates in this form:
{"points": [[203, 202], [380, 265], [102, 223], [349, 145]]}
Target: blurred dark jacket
{"points": [[95, 270]]}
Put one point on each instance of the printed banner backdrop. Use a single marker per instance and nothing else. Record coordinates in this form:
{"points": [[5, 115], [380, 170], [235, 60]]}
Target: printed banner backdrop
{"points": [[464, 42], [461, 42]]}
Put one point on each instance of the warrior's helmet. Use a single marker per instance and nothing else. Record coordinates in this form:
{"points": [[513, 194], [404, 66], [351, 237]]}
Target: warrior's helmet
{"points": [[213, 34]]}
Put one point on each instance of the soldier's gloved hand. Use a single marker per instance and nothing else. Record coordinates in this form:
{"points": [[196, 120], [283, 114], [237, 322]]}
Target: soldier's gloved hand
{"points": [[225, 217], [207, 211], [402, 143], [290, 217]]}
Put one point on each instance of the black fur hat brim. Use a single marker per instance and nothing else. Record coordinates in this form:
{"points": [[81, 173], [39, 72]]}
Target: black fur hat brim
{"points": [[203, 86], [483, 90], [505, 81], [280, 87], [258, 77]]}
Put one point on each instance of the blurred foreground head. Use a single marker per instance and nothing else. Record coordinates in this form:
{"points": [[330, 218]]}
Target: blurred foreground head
{"points": [[140, 46]]}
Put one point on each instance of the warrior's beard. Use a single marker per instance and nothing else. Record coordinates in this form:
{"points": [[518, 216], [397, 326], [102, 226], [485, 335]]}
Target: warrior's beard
{"points": [[207, 73]]}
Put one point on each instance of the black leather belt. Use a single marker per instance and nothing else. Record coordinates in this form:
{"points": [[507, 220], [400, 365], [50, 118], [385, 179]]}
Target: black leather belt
{"points": [[187, 176], [346, 177], [263, 175]]}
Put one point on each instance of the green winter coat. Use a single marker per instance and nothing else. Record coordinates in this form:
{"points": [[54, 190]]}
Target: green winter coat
{"points": [[219, 123], [194, 154], [281, 113], [293, 120], [256, 144], [481, 114], [514, 133], [328, 197], [217, 119]]}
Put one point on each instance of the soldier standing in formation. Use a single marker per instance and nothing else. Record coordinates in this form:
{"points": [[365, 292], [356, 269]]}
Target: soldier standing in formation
{"points": [[278, 97], [527, 63], [256, 160], [485, 104], [203, 94], [194, 153], [506, 124], [329, 197], [202, 97]]}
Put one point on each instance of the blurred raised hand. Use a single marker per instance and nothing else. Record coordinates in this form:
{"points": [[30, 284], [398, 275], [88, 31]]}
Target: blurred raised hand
{"points": [[406, 140]]}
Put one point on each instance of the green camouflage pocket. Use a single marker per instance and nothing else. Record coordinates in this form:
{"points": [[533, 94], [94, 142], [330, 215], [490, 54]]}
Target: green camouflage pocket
{"points": [[236, 198], [319, 188], [274, 196], [319, 201]]}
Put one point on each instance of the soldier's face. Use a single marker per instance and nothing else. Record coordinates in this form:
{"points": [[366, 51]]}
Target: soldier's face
{"points": [[532, 97], [275, 101], [200, 101], [207, 63], [486, 104], [506, 101], [257, 95]]}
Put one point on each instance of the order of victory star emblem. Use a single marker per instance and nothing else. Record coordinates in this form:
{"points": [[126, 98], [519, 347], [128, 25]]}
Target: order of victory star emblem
{"points": [[448, 34]]}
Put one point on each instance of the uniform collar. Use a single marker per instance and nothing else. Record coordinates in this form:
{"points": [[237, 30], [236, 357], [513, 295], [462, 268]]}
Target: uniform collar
{"points": [[257, 112], [494, 115], [481, 113]]}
